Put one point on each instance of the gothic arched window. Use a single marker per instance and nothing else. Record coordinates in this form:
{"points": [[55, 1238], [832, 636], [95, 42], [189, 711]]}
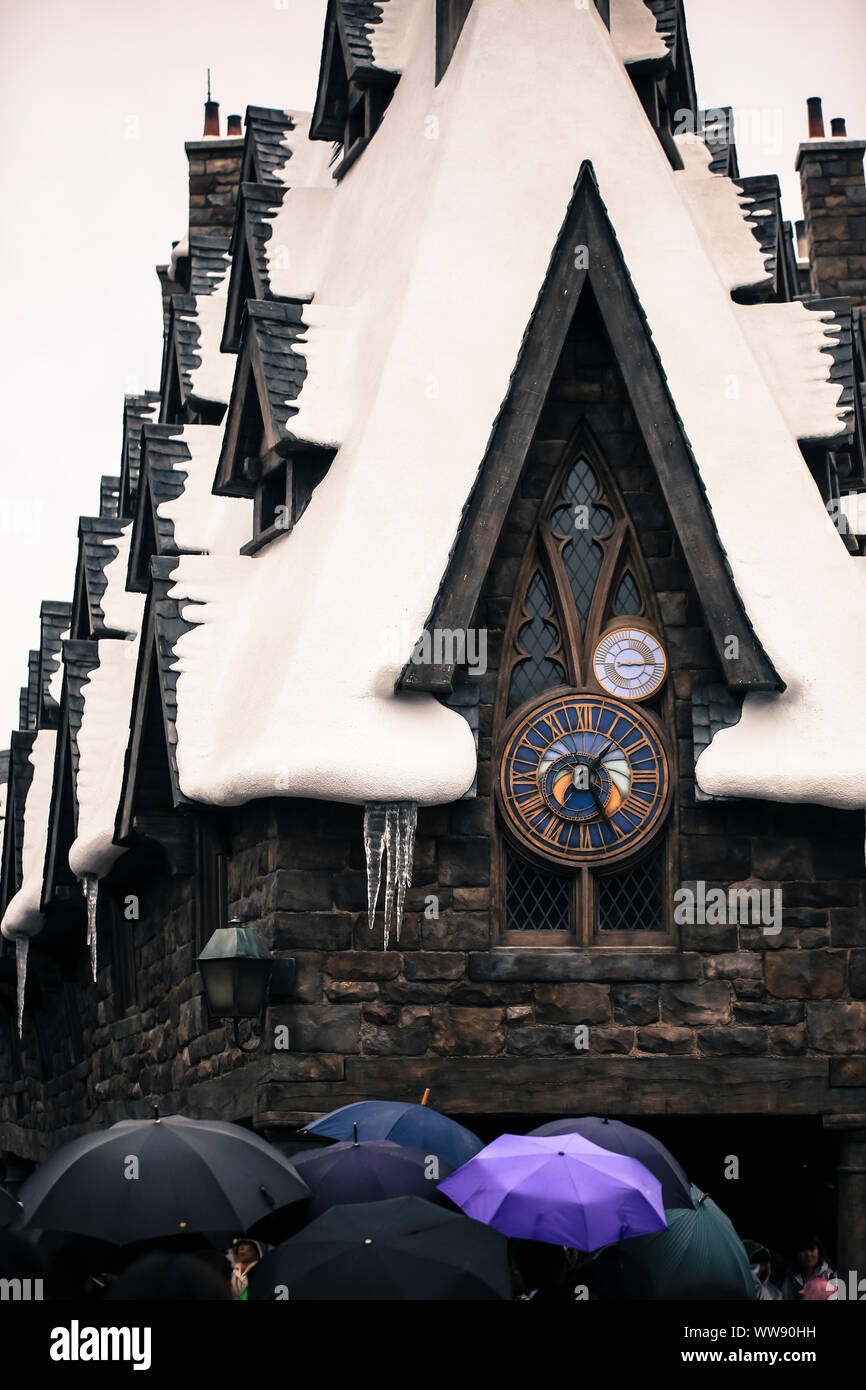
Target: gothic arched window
{"points": [[582, 569]]}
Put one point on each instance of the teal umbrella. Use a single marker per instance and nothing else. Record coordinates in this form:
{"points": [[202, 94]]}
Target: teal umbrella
{"points": [[699, 1256]]}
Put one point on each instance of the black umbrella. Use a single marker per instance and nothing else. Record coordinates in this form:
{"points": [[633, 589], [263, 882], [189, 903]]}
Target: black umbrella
{"points": [[403, 1248], [369, 1172], [621, 1138], [10, 1210], [148, 1179]]}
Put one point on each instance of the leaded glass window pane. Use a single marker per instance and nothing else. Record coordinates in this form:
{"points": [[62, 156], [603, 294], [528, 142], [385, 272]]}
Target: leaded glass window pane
{"points": [[535, 900], [581, 522], [627, 599], [632, 900], [537, 637]]}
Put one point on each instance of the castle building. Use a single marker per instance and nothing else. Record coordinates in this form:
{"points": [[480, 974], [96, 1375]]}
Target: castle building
{"points": [[476, 617]]}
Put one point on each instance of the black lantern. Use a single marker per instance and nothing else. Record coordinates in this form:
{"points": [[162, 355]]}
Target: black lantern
{"points": [[236, 970]]}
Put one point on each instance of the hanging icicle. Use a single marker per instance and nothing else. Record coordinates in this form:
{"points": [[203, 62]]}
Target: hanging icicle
{"points": [[22, 950], [389, 828], [90, 886]]}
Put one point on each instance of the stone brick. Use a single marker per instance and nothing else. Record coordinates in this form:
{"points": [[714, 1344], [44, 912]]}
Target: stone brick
{"points": [[317, 1066], [788, 1042], [542, 1040], [326, 930], [837, 1027], [411, 1041], [456, 931], [291, 890], [345, 990], [704, 936], [635, 1003], [433, 965], [321, 1027], [363, 965], [465, 862], [857, 973], [607, 1041], [782, 858], [665, 1039], [733, 1042], [418, 991], [467, 1032], [806, 974], [848, 926], [761, 1011], [572, 1003], [629, 966], [350, 891], [698, 1002], [717, 859], [736, 965]]}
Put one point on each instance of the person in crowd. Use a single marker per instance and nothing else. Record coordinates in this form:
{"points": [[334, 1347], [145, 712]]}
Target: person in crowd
{"points": [[245, 1254], [819, 1291], [759, 1261], [539, 1271], [163, 1277], [810, 1262]]}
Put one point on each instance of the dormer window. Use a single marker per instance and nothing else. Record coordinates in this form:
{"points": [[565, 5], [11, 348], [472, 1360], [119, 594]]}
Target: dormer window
{"points": [[353, 91], [282, 493]]}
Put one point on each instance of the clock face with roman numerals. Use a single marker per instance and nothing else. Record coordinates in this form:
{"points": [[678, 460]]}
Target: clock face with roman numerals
{"points": [[583, 779]]}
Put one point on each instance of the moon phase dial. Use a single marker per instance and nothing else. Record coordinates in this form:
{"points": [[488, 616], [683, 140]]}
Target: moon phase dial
{"points": [[583, 779], [629, 663]]}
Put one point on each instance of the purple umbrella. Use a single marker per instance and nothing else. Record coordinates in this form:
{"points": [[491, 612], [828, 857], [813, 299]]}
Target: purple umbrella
{"points": [[562, 1189]]}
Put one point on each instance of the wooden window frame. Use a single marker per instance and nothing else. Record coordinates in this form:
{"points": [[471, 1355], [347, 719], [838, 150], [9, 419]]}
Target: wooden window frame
{"points": [[621, 553]]}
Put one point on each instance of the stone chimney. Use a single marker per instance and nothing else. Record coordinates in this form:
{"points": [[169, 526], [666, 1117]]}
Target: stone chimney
{"points": [[214, 174], [834, 207]]}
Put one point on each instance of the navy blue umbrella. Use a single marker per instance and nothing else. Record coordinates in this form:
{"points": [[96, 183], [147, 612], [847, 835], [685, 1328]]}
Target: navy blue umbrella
{"points": [[621, 1138], [368, 1172], [415, 1126]]}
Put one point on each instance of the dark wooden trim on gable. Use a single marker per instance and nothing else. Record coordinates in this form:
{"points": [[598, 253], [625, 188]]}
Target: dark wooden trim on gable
{"points": [[587, 224]]}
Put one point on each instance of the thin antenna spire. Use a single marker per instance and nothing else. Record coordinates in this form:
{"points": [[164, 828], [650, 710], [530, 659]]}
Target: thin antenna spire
{"points": [[208, 84]]}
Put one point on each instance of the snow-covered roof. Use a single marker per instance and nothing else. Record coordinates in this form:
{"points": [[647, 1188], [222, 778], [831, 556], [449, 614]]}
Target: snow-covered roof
{"points": [[101, 741], [411, 332], [23, 916], [197, 520]]}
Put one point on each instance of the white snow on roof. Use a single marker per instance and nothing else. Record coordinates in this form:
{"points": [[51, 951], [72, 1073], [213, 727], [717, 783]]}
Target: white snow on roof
{"points": [[718, 209], [633, 31], [218, 525], [23, 916], [294, 256], [789, 341], [212, 379], [310, 164], [55, 684], [391, 38], [102, 741], [121, 610], [440, 246]]}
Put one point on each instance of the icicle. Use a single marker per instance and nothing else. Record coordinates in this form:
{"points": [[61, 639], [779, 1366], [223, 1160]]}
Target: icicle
{"points": [[389, 827], [22, 949], [90, 885], [374, 844], [407, 817]]}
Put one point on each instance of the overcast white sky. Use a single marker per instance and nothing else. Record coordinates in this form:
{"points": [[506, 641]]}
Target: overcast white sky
{"points": [[96, 100]]}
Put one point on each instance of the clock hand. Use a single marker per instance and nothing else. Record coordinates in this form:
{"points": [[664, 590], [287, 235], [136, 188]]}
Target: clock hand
{"points": [[597, 799]]}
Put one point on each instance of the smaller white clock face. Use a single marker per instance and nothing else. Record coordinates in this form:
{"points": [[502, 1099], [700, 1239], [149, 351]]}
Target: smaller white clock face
{"points": [[630, 663]]}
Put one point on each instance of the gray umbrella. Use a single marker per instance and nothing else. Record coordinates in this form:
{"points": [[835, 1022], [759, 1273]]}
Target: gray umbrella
{"points": [[147, 1179]]}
